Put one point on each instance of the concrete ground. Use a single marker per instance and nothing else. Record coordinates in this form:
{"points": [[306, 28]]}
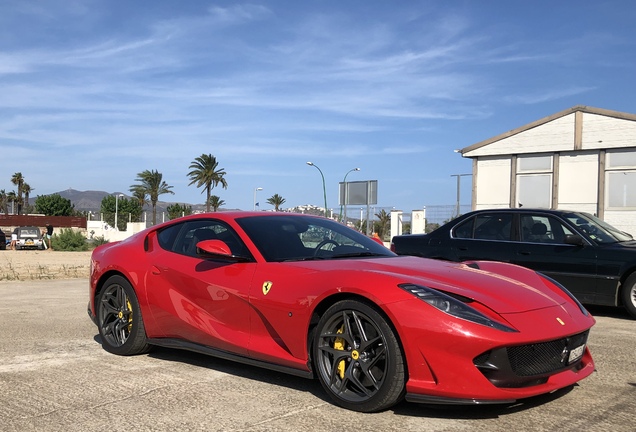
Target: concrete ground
{"points": [[55, 376]]}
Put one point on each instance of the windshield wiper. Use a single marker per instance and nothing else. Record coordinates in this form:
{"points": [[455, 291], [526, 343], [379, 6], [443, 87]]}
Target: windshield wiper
{"points": [[310, 258], [358, 254]]}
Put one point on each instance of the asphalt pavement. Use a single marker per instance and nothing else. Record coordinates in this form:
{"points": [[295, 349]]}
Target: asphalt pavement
{"points": [[55, 376]]}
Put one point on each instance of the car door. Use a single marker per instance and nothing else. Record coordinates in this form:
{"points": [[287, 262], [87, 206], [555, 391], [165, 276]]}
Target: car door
{"points": [[202, 300], [542, 247], [486, 236]]}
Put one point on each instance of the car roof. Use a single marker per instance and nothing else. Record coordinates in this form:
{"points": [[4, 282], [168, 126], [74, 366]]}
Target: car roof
{"points": [[524, 210], [233, 215]]}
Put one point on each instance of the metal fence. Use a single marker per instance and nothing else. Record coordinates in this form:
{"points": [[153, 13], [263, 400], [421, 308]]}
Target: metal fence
{"points": [[443, 213]]}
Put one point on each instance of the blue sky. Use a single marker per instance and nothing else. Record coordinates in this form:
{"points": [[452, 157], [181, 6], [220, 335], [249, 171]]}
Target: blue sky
{"points": [[93, 92]]}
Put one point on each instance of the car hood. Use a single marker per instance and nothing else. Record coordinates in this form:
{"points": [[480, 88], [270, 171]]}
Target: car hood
{"points": [[505, 288]]}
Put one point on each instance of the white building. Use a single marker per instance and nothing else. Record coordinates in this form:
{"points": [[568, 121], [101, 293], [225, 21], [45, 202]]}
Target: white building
{"points": [[582, 158]]}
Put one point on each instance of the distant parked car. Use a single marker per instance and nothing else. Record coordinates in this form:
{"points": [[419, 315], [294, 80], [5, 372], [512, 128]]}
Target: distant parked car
{"points": [[3, 240], [593, 260], [29, 237]]}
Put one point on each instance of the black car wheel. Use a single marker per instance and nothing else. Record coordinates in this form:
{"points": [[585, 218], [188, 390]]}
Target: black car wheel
{"points": [[358, 358], [629, 295], [119, 320]]}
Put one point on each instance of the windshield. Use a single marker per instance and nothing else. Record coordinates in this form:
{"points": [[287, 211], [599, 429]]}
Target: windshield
{"points": [[596, 229], [295, 238]]}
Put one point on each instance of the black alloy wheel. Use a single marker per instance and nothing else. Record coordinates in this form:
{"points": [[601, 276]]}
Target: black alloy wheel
{"points": [[358, 358], [119, 318]]}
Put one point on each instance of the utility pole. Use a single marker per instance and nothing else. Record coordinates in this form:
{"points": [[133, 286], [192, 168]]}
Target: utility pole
{"points": [[459, 176]]}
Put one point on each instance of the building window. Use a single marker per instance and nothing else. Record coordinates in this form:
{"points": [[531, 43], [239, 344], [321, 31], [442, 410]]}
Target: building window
{"points": [[534, 181], [621, 179]]}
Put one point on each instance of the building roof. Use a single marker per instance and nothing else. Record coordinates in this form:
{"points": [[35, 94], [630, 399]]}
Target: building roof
{"points": [[578, 108]]}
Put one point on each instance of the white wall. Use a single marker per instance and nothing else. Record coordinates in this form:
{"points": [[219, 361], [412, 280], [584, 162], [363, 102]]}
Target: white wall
{"points": [[578, 180], [603, 132], [492, 182], [556, 135], [102, 229]]}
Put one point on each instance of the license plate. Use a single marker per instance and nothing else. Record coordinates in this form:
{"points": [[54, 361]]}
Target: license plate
{"points": [[29, 242], [576, 354]]}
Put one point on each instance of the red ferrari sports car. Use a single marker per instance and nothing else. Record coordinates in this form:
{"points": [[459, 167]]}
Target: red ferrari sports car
{"points": [[309, 296]]}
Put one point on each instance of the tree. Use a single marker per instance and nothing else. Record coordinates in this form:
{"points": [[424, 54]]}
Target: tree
{"points": [[26, 189], [205, 172], [54, 205], [140, 195], [127, 209], [12, 198], [4, 201], [276, 200], [151, 183], [176, 211], [215, 202], [384, 223], [18, 180]]}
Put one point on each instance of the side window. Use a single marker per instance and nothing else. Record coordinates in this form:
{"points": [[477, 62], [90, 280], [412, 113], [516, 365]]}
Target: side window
{"points": [[493, 226], [188, 234], [464, 230], [542, 229], [167, 236]]}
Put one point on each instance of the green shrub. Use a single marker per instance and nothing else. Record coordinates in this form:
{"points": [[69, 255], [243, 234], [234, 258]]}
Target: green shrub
{"points": [[98, 241], [69, 240]]}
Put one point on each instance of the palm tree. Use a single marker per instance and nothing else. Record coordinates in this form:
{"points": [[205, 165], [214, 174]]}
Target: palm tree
{"points": [[383, 222], [205, 172], [215, 202], [139, 193], [4, 200], [27, 191], [12, 197], [276, 200], [17, 179], [152, 184]]}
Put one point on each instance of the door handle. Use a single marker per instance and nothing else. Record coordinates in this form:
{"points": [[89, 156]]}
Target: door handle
{"points": [[156, 270], [525, 253]]}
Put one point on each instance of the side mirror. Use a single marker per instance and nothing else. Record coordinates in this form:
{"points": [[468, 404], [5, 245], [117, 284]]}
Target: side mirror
{"points": [[574, 239], [218, 249], [214, 247]]}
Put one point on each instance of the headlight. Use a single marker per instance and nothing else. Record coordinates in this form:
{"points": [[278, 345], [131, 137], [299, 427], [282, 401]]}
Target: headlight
{"points": [[452, 306]]}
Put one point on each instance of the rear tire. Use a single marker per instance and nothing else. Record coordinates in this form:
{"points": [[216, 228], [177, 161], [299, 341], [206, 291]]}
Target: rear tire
{"points": [[358, 358], [119, 320], [628, 295]]}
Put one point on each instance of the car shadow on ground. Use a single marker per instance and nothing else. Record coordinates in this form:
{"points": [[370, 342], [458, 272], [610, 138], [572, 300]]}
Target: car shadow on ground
{"points": [[462, 412], [479, 411], [239, 369]]}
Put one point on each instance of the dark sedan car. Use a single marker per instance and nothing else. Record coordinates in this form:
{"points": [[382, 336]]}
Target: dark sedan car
{"points": [[592, 259]]}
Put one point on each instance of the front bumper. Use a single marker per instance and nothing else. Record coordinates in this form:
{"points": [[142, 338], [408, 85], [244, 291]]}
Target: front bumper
{"points": [[452, 361]]}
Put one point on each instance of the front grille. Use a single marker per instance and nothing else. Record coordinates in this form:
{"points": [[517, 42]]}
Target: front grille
{"points": [[541, 358], [525, 365]]}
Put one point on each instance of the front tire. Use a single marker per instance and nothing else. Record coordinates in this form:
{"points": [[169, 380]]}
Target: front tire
{"points": [[628, 293], [358, 358], [119, 320]]}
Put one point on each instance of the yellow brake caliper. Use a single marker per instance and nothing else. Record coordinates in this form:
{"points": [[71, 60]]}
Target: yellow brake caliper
{"points": [[339, 344], [130, 317]]}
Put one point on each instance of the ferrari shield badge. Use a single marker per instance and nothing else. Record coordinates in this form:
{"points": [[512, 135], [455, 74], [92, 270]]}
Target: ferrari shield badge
{"points": [[267, 285]]}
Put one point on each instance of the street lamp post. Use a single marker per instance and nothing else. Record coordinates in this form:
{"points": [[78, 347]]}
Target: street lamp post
{"points": [[116, 204], [256, 190], [324, 188], [345, 195]]}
